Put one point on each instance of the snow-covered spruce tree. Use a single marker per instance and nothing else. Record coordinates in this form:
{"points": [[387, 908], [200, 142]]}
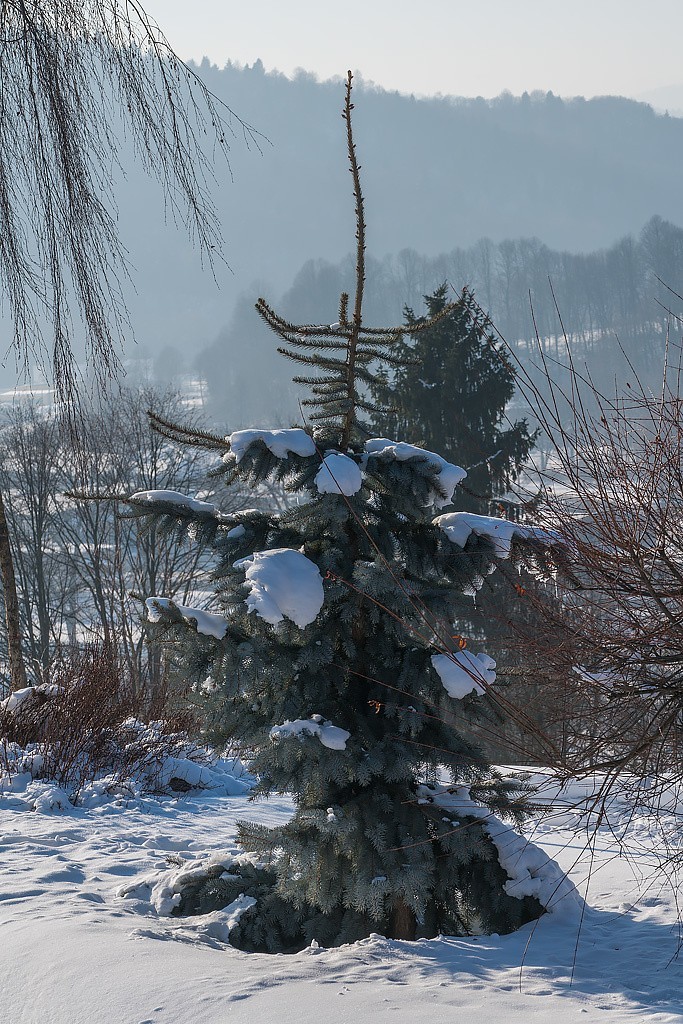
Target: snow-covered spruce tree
{"points": [[334, 662]]}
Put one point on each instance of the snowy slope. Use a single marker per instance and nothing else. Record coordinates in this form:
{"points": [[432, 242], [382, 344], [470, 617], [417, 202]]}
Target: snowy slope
{"points": [[73, 952]]}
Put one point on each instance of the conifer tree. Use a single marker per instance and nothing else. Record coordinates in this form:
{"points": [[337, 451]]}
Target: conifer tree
{"points": [[331, 655], [451, 393]]}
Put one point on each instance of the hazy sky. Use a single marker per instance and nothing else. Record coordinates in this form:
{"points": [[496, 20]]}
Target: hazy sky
{"points": [[464, 47]]}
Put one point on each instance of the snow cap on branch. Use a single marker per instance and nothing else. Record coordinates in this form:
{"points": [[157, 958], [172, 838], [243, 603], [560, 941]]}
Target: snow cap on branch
{"points": [[461, 672], [279, 442], [448, 475], [283, 583], [329, 735], [207, 623], [174, 498], [338, 475], [459, 525]]}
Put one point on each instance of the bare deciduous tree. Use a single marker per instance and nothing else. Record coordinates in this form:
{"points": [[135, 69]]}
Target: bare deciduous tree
{"points": [[31, 477], [612, 636], [74, 75], [77, 562], [17, 668]]}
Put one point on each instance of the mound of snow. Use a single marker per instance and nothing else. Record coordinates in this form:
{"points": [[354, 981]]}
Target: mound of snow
{"points": [[207, 623], [329, 735], [279, 442], [186, 767], [449, 476], [283, 583], [145, 760], [49, 799], [163, 893], [459, 525], [461, 672], [338, 475]]}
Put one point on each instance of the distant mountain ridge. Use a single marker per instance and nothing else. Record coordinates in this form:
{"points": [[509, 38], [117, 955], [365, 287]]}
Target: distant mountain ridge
{"points": [[665, 99], [437, 173]]}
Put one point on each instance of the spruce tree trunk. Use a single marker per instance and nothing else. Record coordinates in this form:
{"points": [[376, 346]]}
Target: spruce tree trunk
{"points": [[403, 924], [17, 669]]}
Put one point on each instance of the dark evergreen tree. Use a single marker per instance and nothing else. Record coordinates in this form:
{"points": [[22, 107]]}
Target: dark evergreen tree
{"points": [[335, 664], [451, 394]]}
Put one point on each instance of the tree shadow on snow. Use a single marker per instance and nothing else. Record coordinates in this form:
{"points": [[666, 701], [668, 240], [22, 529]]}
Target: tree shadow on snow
{"points": [[614, 958]]}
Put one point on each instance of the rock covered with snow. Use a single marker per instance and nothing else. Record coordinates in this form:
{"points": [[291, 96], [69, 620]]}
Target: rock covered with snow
{"points": [[338, 475], [329, 735], [207, 623], [462, 672], [279, 442], [29, 696], [282, 583], [458, 526], [449, 476], [531, 871]]}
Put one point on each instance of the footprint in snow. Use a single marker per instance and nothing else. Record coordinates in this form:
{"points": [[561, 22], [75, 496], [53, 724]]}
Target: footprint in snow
{"points": [[64, 875], [164, 843], [89, 897]]}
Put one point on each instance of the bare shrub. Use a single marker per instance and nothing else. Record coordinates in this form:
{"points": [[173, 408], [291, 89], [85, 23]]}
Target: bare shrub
{"points": [[611, 640], [91, 722]]}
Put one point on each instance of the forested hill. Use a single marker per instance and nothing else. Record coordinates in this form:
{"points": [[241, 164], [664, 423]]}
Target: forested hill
{"points": [[438, 174], [445, 172]]}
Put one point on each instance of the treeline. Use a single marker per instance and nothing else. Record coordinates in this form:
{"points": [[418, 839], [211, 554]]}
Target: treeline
{"points": [[524, 285], [528, 288], [611, 305]]}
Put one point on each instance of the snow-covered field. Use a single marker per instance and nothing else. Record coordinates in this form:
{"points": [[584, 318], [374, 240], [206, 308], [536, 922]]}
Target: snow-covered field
{"points": [[74, 952]]}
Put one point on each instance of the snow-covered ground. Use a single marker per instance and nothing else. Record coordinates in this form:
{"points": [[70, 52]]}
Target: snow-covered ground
{"points": [[74, 952]]}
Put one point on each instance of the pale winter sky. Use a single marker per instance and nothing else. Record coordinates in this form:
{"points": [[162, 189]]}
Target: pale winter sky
{"points": [[463, 47]]}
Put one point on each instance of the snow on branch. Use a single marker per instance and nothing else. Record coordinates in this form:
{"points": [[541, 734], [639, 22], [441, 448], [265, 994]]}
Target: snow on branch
{"points": [[205, 622], [338, 475], [462, 672], [329, 735], [448, 476], [531, 871], [283, 583], [183, 501], [279, 442], [458, 526]]}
